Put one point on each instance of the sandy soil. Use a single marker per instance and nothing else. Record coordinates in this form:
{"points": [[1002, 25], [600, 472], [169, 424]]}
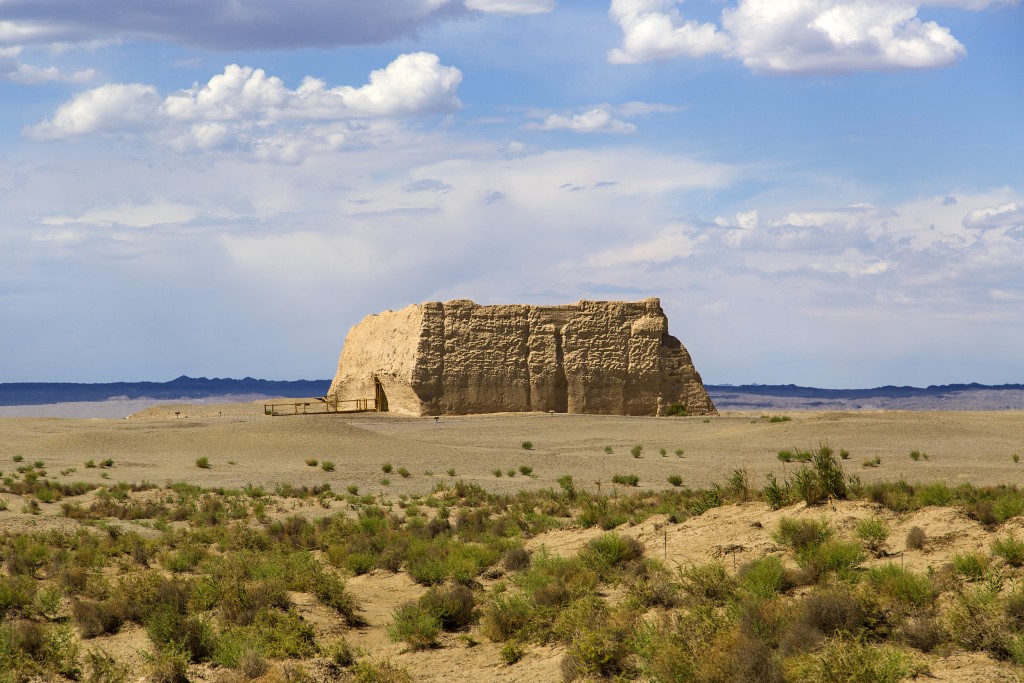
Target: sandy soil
{"points": [[244, 446]]}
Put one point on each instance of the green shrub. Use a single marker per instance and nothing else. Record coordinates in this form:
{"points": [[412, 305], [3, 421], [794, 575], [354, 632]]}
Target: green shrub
{"points": [[626, 479], [971, 566], [312, 462], [327, 466], [779, 418], [839, 557], [636, 450], [507, 616], [777, 495], [710, 582], [453, 606], [764, 577], [873, 532], [511, 652], [611, 550], [379, 671], [853, 661], [414, 625], [675, 480], [527, 445], [386, 468], [403, 473], [901, 585], [608, 450], [800, 534], [203, 462], [675, 410], [525, 470], [1010, 549], [872, 462], [936, 494]]}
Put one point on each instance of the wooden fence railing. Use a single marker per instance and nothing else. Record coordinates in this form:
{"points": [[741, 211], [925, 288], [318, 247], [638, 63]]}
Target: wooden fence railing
{"points": [[321, 406]]}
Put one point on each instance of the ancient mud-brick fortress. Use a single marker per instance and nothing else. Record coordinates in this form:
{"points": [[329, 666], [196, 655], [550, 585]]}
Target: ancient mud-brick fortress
{"points": [[458, 357]]}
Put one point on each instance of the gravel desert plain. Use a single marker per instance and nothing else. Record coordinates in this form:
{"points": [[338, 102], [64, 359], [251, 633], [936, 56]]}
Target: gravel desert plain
{"points": [[211, 542]]}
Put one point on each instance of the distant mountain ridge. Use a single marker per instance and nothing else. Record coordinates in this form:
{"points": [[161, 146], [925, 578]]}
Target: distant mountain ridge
{"points": [[184, 387], [972, 396]]}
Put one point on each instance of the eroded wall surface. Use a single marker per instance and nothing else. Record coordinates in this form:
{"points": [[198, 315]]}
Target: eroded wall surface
{"points": [[459, 357]]}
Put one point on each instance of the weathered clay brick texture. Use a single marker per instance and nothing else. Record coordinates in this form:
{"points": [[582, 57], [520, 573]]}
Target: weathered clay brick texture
{"points": [[458, 357]]}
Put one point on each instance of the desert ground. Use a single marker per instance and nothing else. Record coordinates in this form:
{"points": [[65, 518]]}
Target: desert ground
{"points": [[162, 444], [244, 447]]}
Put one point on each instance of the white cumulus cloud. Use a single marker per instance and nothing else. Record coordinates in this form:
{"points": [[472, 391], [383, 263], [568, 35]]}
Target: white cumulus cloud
{"points": [[17, 71], [512, 6], [594, 121], [246, 106], [1006, 215], [655, 29], [794, 36]]}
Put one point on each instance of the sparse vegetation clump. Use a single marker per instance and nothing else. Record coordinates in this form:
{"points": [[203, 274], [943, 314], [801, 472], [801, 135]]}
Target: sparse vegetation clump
{"points": [[228, 578]]}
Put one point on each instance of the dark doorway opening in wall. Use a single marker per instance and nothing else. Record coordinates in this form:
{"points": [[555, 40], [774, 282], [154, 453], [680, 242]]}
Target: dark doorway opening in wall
{"points": [[380, 396], [560, 400]]}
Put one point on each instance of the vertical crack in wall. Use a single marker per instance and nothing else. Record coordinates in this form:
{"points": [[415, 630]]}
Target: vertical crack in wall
{"points": [[561, 383]]}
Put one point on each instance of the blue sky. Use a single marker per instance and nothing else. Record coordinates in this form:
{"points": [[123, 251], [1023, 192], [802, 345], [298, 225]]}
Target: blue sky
{"points": [[822, 192]]}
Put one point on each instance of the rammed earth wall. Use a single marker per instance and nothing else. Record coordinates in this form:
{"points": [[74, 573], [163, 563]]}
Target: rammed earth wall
{"points": [[458, 357]]}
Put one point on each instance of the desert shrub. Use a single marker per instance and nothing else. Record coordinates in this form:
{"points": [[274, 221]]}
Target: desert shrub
{"points": [[626, 479], [330, 590], [506, 616], [901, 585], [327, 466], [636, 450], [516, 558], [599, 647], [764, 577], [975, 621], [241, 602], [936, 494], [916, 538], [873, 532], [511, 652], [252, 664], [525, 470], [341, 653], [839, 557], [777, 495], [1013, 606], [673, 646], [611, 550], [16, 594], [103, 668], [800, 534], [203, 462], [675, 410], [312, 462], [655, 587], [922, 633], [1008, 505], [96, 617], [739, 484], [1010, 549], [33, 651], [853, 661], [527, 445], [832, 611], [379, 671], [277, 635], [675, 480], [452, 606], [971, 566], [414, 625], [168, 666], [179, 631], [709, 582]]}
